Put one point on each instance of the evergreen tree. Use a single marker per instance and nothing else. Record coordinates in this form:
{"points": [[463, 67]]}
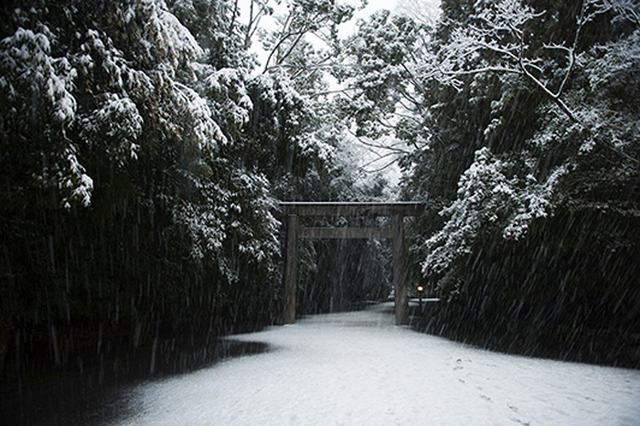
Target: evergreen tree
{"points": [[121, 211], [537, 121]]}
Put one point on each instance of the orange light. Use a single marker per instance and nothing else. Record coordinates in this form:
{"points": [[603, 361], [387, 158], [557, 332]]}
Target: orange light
{"points": [[420, 288]]}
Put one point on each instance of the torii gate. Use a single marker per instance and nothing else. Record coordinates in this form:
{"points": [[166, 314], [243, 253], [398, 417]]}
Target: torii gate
{"points": [[395, 231]]}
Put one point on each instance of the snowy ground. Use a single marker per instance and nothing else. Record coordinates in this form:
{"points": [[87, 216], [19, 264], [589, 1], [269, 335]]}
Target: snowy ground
{"points": [[358, 368]]}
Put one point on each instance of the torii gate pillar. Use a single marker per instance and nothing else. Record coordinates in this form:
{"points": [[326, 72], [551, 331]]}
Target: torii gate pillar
{"points": [[399, 264], [291, 270], [395, 232]]}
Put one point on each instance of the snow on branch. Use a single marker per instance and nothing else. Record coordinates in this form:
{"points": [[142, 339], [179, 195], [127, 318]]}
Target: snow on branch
{"points": [[491, 197], [201, 126], [165, 33], [498, 30], [37, 88], [26, 61], [232, 104]]}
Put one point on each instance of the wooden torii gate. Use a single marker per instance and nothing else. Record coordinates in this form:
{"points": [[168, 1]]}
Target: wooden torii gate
{"points": [[394, 231]]}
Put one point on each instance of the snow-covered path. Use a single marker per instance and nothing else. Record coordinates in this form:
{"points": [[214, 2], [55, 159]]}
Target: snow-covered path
{"points": [[358, 368]]}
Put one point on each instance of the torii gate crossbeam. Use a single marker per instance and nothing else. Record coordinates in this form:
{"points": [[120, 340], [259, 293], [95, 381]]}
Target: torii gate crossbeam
{"points": [[395, 231]]}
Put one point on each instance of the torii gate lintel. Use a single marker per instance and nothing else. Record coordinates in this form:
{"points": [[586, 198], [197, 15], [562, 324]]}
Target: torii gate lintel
{"points": [[395, 231]]}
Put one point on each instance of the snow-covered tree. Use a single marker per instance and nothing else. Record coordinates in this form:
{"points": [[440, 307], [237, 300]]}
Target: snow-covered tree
{"points": [[40, 110], [124, 202], [490, 194], [531, 159], [579, 117], [377, 75], [304, 18]]}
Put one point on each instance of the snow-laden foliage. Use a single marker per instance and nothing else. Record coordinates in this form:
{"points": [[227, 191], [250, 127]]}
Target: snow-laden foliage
{"points": [[295, 116], [26, 58], [163, 35], [530, 173], [494, 195], [304, 17], [499, 39], [37, 96], [239, 218], [587, 109], [105, 98], [252, 220], [497, 27], [204, 221], [123, 133], [611, 105], [118, 119], [377, 70], [199, 125], [231, 104], [155, 81]]}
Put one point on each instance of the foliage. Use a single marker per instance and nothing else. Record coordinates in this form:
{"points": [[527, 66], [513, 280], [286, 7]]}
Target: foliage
{"points": [[143, 166], [532, 138], [143, 157], [297, 138], [516, 116], [497, 44]]}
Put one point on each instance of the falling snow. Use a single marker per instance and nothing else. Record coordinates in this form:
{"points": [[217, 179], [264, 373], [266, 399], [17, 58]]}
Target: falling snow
{"points": [[146, 147]]}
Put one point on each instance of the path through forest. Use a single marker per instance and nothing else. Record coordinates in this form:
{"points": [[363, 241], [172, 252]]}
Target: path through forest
{"points": [[359, 368]]}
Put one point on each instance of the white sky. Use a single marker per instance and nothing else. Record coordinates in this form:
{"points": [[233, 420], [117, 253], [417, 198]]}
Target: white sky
{"points": [[358, 368]]}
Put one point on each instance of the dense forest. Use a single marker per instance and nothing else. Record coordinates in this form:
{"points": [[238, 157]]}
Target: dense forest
{"points": [[145, 147]]}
